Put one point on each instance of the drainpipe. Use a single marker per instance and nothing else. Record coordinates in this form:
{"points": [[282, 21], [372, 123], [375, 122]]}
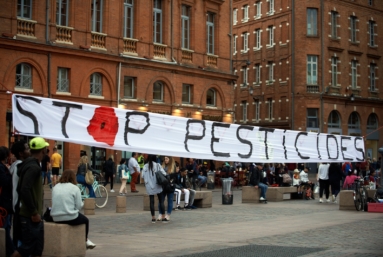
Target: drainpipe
{"points": [[47, 22], [118, 83], [292, 62], [171, 30], [49, 75], [231, 37], [322, 63]]}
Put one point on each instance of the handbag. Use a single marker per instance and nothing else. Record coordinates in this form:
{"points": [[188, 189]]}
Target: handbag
{"points": [[161, 179], [316, 190], [89, 179], [47, 215], [125, 174]]}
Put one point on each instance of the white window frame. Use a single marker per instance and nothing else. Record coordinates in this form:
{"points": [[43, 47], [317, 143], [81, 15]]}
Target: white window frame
{"points": [[257, 78], [24, 78], [186, 91], [235, 16], [354, 74], [96, 25], [21, 5], [271, 36], [132, 89], [334, 71], [185, 26], [353, 29], [245, 13], [257, 109], [373, 77], [270, 75], [245, 80], [245, 36], [244, 111], [96, 84], [371, 31], [210, 32], [258, 39], [160, 91], [235, 44], [128, 18], [270, 104], [334, 25], [258, 9], [271, 7], [62, 79], [312, 22], [312, 70], [157, 19], [59, 14]]}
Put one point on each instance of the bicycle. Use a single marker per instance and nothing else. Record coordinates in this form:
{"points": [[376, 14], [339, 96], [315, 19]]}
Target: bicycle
{"points": [[360, 195], [99, 190]]}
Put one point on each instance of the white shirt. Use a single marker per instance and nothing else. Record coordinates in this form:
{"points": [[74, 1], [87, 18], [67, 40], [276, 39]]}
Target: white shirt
{"points": [[15, 181], [304, 176], [133, 163], [323, 171]]}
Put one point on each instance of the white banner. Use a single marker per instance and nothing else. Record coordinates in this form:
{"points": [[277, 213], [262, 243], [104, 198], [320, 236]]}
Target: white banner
{"points": [[152, 133]]}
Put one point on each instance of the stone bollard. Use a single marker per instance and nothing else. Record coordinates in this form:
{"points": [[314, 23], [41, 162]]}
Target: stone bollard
{"points": [[2, 242], [120, 204], [89, 206]]}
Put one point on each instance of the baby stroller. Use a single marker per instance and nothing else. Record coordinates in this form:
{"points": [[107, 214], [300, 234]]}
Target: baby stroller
{"points": [[378, 197]]}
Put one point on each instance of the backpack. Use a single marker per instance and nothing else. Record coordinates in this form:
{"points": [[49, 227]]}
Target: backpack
{"points": [[308, 193], [347, 168], [286, 178]]}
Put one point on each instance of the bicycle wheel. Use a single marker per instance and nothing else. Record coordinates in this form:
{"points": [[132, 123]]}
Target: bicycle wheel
{"points": [[101, 196], [358, 201]]}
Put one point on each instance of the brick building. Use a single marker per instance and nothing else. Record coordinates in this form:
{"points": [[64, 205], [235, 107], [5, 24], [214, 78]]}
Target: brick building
{"points": [[167, 57], [310, 65]]}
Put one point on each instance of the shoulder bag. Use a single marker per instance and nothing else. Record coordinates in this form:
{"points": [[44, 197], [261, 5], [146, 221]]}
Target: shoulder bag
{"points": [[89, 179], [161, 179], [125, 174]]}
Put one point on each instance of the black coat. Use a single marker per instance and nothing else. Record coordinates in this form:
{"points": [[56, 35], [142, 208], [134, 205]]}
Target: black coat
{"points": [[255, 175], [335, 173], [6, 188]]}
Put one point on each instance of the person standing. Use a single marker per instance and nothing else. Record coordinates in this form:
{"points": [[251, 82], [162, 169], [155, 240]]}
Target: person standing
{"points": [[134, 169], [56, 165], [152, 188], [335, 176], [256, 178], [122, 167], [324, 183], [46, 168], [30, 191], [110, 172], [141, 163], [169, 167], [6, 198]]}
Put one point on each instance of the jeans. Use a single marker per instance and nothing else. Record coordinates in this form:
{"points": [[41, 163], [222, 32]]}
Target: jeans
{"points": [[263, 188], [202, 180], [32, 237], [170, 202], [8, 240], [47, 174], [81, 180], [160, 201]]}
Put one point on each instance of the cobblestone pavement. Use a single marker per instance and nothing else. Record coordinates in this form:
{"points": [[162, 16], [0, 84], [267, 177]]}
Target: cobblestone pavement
{"points": [[289, 228]]}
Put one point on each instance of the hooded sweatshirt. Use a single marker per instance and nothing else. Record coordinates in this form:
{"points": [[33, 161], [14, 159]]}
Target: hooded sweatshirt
{"points": [[30, 187]]}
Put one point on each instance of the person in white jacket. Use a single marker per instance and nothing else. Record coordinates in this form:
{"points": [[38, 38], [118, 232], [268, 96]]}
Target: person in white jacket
{"points": [[324, 183], [67, 203]]}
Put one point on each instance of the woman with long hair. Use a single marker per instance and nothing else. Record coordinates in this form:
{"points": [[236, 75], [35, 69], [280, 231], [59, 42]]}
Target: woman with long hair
{"points": [[169, 167], [152, 188], [82, 167], [123, 190], [67, 203]]}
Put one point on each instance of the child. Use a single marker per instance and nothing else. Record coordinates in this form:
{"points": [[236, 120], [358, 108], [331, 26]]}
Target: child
{"points": [[350, 180], [297, 181]]}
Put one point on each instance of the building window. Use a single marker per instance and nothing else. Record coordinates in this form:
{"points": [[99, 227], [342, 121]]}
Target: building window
{"points": [[244, 76], [333, 120], [257, 78], [354, 74], [129, 87], [62, 12], [23, 76], [371, 31], [235, 18], [257, 39], [157, 21], [245, 13], [271, 7], [244, 111], [334, 24], [24, 9], [271, 36], [257, 107], [312, 118], [158, 92], [234, 44], [245, 37], [354, 121], [372, 77], [210, 97], [185, 23], [334, 71], [270, 76], [186, 93], [270, 109], [312, 70], [312, 22], [96, 84], [353, 28], [210, 32], [370, 2], [258, 10], [372, 121], [63, 80], [128, 18], [96, 19]]}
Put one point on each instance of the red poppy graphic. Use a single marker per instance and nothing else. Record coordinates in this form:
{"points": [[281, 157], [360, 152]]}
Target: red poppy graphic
{"points": [[103, 126]]}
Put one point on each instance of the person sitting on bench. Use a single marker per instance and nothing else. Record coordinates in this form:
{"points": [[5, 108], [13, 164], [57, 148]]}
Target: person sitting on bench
{"points": [[183, 183]]}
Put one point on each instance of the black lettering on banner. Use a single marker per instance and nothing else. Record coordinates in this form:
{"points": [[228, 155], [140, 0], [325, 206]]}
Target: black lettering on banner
{"points": [[266, 146], [359, 149], [67, 110], [283, 143], [344, 149], [188, 136], [296, 148], [244, 141], [319, 156], [133, 130], [216, 139], [27, 113], [337, 148]]}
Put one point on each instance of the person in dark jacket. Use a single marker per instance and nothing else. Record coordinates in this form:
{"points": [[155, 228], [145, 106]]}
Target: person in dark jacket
{"points": [[110, 172], [82, 168], [30, 191], [335, 176], [6, 198], [256, 175]]}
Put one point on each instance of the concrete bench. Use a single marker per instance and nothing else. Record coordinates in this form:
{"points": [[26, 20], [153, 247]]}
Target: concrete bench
{"points": [[273, 194], [346, 199], [202, 199], [2, 242], [250, 194], [61, 240]]}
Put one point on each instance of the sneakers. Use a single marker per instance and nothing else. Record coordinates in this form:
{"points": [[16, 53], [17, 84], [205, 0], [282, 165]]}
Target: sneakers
{"points": [[333, 198], [112, 191], [159, 217], [262, 199], [328, 200], [122, 194], [89, 244], [320, 200], [187, 208], [178, 208], [165, 220], [153, 221]]}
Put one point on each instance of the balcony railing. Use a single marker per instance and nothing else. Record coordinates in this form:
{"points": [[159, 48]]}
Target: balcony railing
{"points": [[98, 40], [160, 51], [212, 60], [130, 46], [312, 89], [187, 56], [63, 34], [26, 27]]}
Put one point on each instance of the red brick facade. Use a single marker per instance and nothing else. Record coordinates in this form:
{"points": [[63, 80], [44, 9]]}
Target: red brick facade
{"points": [[83, 52], [294, 92]]}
